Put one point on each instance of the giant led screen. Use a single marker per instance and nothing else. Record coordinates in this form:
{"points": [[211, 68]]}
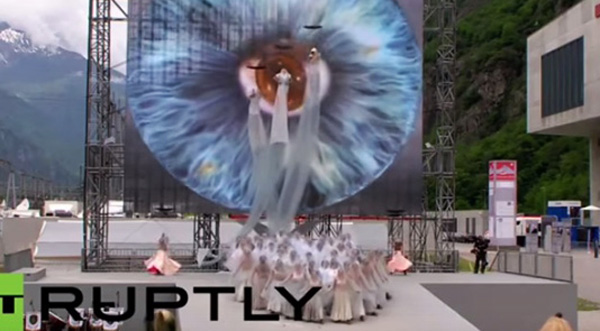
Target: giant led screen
{"points": [[193, 65]]}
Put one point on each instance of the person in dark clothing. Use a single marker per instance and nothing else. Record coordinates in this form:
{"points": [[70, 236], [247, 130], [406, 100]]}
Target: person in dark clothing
{"points": [[480, 248]]}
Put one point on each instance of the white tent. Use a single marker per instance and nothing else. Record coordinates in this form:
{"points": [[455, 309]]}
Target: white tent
{"points": [[582, 211], [590, 208]]}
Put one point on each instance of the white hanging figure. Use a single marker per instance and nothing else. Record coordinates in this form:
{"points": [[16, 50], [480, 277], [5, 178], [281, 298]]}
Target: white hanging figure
{"points": [[303, 149], [279, 127], [267, 156], [281, 205]]}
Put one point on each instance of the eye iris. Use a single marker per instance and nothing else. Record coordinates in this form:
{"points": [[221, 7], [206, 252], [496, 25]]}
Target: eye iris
{"points": [[272, 66]]}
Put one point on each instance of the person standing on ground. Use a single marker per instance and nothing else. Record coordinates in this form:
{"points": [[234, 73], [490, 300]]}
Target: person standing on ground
{"points": [[480, 248]]}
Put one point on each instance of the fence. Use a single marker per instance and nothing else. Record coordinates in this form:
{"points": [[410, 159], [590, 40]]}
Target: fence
{"points": [[132, 260], [547, 266]]}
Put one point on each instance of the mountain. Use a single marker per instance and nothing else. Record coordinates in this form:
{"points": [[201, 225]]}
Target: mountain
{"points": [[491, 105], [42, 107]]}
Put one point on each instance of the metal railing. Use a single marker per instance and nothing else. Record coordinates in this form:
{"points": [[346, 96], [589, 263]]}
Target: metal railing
{"points": [[132, 260], [548, 266], [430, 261], [434, 261]]}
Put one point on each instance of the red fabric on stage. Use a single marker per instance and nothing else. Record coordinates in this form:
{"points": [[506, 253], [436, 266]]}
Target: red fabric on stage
{"points": [[154, 271]]}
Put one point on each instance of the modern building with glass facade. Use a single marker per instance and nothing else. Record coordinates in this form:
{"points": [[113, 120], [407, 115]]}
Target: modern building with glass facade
{"points": [[563, 82]]}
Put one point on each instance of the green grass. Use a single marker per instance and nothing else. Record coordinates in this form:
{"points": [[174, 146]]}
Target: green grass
{"points": [[465, 265], [586, 305]]}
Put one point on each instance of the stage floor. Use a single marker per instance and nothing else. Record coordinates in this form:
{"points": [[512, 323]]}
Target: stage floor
{"points": [[413, 307]]}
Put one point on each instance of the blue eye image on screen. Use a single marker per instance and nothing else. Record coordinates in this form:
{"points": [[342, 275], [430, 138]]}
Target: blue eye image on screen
{"points": [[197, 64]]}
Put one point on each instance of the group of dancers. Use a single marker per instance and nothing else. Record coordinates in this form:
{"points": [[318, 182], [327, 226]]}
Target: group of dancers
{"points": [[353, 285]]}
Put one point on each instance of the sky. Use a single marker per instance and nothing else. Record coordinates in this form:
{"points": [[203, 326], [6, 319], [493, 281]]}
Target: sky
{"points": [[62, 23]]}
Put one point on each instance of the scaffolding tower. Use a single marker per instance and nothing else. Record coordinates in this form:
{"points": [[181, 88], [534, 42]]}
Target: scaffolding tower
{"points": [[104, 150], [438, 222], [10, 199]]}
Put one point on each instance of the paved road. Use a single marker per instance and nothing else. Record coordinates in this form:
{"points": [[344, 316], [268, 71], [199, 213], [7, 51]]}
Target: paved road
{"points": [[586, 270]]}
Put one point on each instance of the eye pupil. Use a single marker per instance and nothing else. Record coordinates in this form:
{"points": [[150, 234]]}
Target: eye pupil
{"points": [[273, 64]]}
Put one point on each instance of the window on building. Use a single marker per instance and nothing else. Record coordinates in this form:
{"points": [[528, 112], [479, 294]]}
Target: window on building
{"points": [[468, 226], [562, 78]]}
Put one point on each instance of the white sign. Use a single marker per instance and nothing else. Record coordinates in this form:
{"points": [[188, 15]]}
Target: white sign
{"points": [[564, 203], [505, 227], [505, 208], [502, 201]]}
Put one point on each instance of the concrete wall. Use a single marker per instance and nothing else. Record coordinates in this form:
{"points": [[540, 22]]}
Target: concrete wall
{"points": [[19, 234], [582, 121], [481, 222]]}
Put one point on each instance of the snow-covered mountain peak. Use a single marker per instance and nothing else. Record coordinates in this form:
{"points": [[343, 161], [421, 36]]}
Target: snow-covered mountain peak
{"points": [[19, 42]]}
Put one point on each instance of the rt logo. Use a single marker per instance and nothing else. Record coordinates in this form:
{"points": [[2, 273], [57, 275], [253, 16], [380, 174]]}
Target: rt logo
{"points": [[11, 302]]}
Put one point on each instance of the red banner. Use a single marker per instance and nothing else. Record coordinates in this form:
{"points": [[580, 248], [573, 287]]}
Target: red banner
{"points": [[503, 170]]}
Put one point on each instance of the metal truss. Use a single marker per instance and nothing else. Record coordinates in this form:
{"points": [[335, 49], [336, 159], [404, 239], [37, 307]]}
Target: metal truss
{"points": [[10, 198], [207, 235], [395, 228], [438, 159], [20, 185], [446, 131], [104, 152], [326, 225]]}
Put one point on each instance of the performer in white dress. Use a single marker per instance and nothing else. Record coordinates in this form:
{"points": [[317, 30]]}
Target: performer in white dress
{"points": [[328, 279], [358, 282], [341, 310], [313, 310], [295, 285], [358, 299], [381, 269], [279, 276], [241, 275], [259, 279], [370, 292]]}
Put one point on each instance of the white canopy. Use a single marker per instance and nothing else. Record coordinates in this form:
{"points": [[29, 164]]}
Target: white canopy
{"points": [[591, 208]]}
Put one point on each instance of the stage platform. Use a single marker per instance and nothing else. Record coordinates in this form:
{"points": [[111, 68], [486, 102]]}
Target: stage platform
{"points": [[424, 302], [63, 238]]}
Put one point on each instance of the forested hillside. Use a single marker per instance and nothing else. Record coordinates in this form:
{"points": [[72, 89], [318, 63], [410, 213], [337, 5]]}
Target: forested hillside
{"points": [[491, 96]]}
